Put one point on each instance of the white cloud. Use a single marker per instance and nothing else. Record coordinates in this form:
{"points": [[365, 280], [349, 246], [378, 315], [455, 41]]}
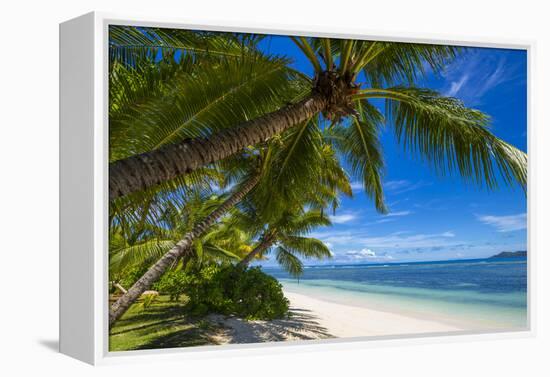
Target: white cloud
{"points": [[392, 241], [399, 213], [334, 238], [363, 253], [475, 74], [396, 185], [495, 78], [403, 185], [343, 218], [457, 85], [505, 223], [356, 185], [366, 254], [392, 216], [385, 220]]}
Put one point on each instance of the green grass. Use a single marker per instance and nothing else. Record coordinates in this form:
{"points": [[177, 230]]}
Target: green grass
{"points": [[163, 324]]}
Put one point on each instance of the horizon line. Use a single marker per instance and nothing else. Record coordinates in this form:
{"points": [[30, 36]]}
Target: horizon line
{"points": [[395, 262]]}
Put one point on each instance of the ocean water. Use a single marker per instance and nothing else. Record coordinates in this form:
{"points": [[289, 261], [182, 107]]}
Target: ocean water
{"points": [[477, 294]]}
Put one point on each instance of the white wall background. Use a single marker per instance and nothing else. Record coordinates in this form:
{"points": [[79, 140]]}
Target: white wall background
{"points": [[29, 183]]}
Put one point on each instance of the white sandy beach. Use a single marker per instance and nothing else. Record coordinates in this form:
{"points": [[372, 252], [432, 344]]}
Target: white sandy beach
{"points": [[349, 321], [313, 318]]}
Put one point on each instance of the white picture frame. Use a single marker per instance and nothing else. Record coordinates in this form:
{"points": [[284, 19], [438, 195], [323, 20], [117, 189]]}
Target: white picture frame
{"points": [[84, 192]]}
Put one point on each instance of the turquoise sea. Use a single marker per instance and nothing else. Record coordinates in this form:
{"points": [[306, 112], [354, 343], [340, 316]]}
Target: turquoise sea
{"points": [[476, 294]]}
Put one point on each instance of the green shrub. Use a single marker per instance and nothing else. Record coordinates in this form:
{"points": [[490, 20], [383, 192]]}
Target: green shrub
{"points": [[256, 295], [207, 291], [247, 293], [172, 283]]}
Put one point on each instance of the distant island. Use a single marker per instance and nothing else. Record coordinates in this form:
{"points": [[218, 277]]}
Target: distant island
{"points": [[510, 254]]}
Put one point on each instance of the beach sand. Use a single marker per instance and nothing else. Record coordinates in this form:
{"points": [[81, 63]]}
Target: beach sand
{"points": [[348, 321], [313, 318]]}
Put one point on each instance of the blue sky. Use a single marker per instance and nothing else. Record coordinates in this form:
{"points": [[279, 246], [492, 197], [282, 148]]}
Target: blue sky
{"points": [[434, 218]]}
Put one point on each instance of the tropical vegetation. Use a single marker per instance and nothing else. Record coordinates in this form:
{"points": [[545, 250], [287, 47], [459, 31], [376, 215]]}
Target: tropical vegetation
{"points": [[221, 155]]}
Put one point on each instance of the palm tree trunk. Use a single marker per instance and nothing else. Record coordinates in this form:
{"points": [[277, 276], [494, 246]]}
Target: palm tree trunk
{"points": [[266, 243], [181, 248], [152, 168]]}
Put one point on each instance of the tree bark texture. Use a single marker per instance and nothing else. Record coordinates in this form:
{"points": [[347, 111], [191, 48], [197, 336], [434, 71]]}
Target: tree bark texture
{"points": [[149, 169]]}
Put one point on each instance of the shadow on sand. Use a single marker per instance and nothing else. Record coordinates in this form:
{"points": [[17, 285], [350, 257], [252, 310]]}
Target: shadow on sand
{"points": [[301, 325], [181, 331]]}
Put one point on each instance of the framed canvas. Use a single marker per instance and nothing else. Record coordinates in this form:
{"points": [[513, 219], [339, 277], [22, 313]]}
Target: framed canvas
{"points": [[243, 189]]}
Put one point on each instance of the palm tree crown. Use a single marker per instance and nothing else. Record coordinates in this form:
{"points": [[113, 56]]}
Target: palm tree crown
{"points": [[444, 132], [286, 237]]}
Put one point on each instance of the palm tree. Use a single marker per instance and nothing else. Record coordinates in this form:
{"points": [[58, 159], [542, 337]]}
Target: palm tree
{"points": [[153, 103], [440, 129], [136, 244], [287, 236], [300, 171], [203, 83], [320, 178], [177, 251]]}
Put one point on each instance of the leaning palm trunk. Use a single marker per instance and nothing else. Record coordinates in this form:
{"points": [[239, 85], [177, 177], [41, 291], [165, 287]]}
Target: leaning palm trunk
{"points": [[264, 245], [146, 170], [181, 248]]}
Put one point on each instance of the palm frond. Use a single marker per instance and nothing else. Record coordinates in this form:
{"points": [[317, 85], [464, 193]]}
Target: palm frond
{"points": [[308, 50], [300, 167], [130, 44], [289, 262], [219, 253], [195, 105], [359, 144], [333, 180], [306, 246], [292, 166], [131, 255], [364, 52], [346, 47], [302, 222], [391, 63], [175, 192], [132, 88], [450, 136]]}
